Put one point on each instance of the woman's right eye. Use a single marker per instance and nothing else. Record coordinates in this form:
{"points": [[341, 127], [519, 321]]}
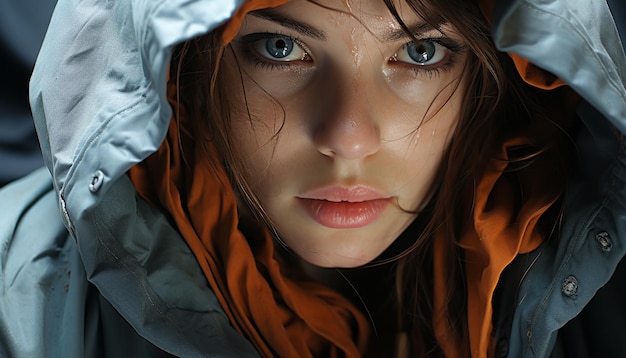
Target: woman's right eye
{"points": [[277, 48]]}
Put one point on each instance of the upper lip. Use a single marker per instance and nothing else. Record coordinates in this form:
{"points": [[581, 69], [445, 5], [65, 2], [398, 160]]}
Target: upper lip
{"points": [[337, 193]]}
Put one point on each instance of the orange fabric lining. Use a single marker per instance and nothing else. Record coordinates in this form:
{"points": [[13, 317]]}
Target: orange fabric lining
{"points": [[534, 75], [502, 228], [280, 316]]}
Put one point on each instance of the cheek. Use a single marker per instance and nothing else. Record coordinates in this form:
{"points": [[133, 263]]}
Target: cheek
{"points": [[261, 132], [422, 152], [424, 97], [254, 120], [425, 115]]}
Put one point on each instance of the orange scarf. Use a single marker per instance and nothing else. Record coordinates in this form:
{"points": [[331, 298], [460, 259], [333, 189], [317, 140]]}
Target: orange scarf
{"points": [[280, 316]]}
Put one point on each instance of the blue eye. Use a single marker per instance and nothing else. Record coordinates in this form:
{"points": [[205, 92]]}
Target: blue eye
{"points": [[279, 48], [423, 53]]}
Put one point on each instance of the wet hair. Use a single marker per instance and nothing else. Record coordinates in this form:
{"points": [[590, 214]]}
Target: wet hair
{"points": [[497, 106]]}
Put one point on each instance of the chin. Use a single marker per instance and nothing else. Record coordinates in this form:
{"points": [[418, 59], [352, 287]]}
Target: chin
{"points": [[335, 260]]}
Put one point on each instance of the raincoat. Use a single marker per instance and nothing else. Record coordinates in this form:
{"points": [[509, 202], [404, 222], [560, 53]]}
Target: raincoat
{"points": [[90, 269]]}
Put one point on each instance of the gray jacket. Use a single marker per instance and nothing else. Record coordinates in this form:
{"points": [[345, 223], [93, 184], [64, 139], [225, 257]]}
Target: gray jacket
{"points": [[90, 270]]}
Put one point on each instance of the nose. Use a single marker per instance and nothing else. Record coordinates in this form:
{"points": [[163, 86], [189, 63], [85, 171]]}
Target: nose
{"points": [[348, 130]]}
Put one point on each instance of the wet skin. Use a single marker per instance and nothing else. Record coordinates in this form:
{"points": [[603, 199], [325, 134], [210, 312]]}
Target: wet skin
{"points": [[342, 121]]}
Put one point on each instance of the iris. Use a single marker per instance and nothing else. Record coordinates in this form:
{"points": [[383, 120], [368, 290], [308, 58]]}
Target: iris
{"points": [[279, 47], [421, 52]]}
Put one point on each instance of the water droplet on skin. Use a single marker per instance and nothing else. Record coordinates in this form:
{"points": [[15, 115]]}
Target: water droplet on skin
{"points": [[356, 58], [354, 49], [347, 4]]}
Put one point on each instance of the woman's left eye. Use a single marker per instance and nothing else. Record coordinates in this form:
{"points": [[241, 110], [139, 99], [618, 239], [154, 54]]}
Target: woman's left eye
{"points": [[421, 53], [278, 48]]}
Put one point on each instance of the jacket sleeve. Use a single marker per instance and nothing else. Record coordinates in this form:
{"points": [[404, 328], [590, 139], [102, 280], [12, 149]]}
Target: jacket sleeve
{"points": [[49, 307], [43, 282]]}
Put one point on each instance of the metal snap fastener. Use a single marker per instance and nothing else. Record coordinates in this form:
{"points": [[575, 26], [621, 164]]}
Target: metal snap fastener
{"points": [[570, 287], [96, 181], [604, 240]]}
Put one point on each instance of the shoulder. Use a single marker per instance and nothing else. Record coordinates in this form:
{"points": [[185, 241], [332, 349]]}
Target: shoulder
{"points": [[42, 281], [30, 222]]}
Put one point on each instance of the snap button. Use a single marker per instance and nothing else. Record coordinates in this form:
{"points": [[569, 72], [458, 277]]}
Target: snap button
{"points": [[96, 181], [570, 287], [604, 240]]}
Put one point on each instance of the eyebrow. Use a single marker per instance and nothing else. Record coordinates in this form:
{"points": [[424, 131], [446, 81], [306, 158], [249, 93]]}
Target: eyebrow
{"points": [[416, 30], [293, 24]]}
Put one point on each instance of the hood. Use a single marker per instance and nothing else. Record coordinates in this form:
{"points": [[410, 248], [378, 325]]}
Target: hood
{"points": [[100, 101], [576, 41]]}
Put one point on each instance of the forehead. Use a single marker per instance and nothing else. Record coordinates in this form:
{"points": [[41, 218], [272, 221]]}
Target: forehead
{"points": [[364, 10], [370, 16]]}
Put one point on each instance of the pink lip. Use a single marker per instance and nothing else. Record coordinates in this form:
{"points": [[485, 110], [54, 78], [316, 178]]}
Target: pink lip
{"points": [[344, 208]]}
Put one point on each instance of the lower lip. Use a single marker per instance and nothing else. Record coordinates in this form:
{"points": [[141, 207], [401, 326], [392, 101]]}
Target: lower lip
{"points": [[345, 214]]}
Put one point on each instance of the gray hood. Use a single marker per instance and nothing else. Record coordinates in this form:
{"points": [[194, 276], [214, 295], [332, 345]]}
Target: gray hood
{"points": [[576, 40]]}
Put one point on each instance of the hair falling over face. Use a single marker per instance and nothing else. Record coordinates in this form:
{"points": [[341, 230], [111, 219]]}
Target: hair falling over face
{"points": [[497, 106]]}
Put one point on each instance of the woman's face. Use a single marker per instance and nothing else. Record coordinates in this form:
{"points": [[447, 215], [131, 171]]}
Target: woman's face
{"points": [[342, 121]]}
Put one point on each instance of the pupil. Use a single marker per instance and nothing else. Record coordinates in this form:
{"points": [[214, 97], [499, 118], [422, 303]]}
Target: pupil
{"points": [[279, 47], [422, 52]]}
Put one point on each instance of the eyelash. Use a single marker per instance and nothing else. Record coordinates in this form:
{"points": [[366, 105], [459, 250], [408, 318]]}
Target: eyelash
{"points": [[447, 64], [259, 61]]}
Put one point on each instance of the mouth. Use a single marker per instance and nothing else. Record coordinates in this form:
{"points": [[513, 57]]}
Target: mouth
{"points": [[344, 208]]}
